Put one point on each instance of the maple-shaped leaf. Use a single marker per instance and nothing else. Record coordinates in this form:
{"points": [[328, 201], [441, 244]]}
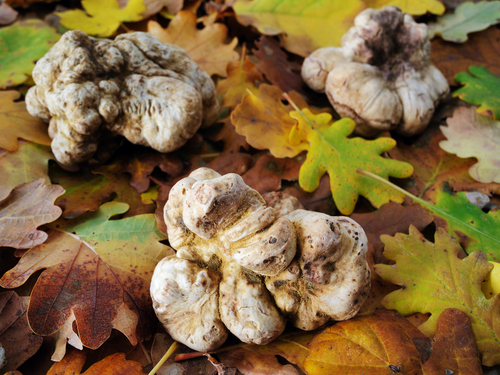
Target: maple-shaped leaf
{"points": [[16, 122], [386, 343], [467, 18], [435, 278], [26, 208], [97, 268], [472, 135], [481, 87], [101, 18], [16, 336], [414, 7], [29, 162], [20, 46], [114, 364], [304, 26], [242, 77], [206, 46]]}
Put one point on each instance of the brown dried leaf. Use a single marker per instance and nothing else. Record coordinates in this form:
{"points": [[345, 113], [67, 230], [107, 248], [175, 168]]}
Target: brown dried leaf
{"points": [[206, 46], [320, 200], [233, 142], [26, 208]]}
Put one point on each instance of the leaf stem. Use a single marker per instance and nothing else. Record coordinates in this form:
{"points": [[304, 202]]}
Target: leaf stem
{"points": [[287, 97], [169, 352]]}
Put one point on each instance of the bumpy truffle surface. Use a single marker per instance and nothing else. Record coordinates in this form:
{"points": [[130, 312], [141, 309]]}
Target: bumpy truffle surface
{"points": [[90, 90], [249, 266], [382, 76]]}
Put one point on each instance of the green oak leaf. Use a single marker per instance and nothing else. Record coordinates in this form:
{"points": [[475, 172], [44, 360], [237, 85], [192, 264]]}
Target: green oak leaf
{"points": [[481, 87], [434, 278], [468, 18], [20, 46]]}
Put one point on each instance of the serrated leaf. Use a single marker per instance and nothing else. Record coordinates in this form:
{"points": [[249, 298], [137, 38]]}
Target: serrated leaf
{"points": [[305, 25], [482, 88], [414, 7], [26, 208], [467, 18], [20, 46], [97, 268], [472, 135], [101, 18], [434, 278]]}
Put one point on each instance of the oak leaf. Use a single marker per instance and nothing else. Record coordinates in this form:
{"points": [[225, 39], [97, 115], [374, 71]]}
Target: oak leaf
{"points": [[102, 18], [386, 343], [16, 122], [16, 336], [154, 6], [414, 7], [97, 268], [481, 87], [226, 133], [21, 44], [435, 278], [472, 135], [206, 46], [303, 26], [26, 208], [467, 18], [29, 162]]}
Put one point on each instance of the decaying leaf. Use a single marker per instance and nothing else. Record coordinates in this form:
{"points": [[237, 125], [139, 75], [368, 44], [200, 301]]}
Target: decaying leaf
{"points": [[473, 135], [467, 18], [206, 46], [304, 26], [26, 208], [97, 268], [16, 122], [435, 278], [15, 334], [20, 46], [115, 364], [414, 7], [481, 87], [102, 18], [386, 343], [29, 162], [233, 142]]}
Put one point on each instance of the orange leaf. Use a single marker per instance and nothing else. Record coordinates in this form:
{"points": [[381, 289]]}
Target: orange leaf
{"points": [[206, 47], [26, 208]]}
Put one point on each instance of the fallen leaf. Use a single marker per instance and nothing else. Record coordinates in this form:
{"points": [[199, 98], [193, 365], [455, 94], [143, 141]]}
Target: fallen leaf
{"points": [[386, 343], [320, 200], [467, 18], [434, 278], [66, 335], [115, 364], [26, 208], [21, 44], [206, 46], [242, 77], [233, 142], [97, 268], [29, 162], [482, 48], [15, 334], [414, 7], [7, 14], [304, 26], [16, 122], [155, 6], [101, 18], [470, 134]]}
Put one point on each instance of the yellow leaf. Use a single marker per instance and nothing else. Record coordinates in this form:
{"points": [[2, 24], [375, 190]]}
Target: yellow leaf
{"points": [[206, 46], [416, 7], [305, 25], [105, 16], [16, 122]]}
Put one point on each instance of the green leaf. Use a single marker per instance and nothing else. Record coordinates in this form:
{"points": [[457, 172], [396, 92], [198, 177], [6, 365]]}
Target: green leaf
{"points": [[481, 87], [20, 46], [434, 278], [331, 151], [468, 18], [102, 18]]}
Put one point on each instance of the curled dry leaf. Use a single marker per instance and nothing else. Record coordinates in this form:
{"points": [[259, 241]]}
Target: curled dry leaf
{"points": [[16, 336], [206, 46], [26, 208], [97, 268]]}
